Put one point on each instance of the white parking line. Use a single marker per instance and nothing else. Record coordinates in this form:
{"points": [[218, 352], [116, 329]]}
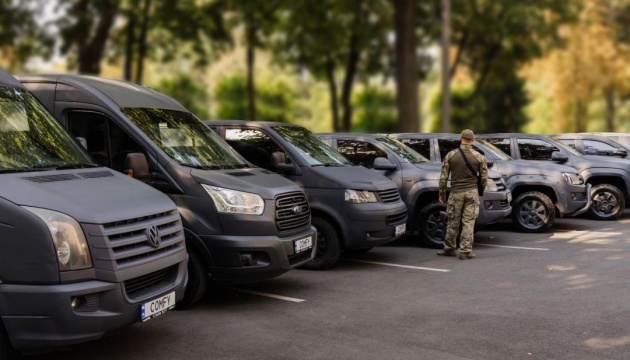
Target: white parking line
{"points": [[513, 247], [279, 297], [397, 265]]}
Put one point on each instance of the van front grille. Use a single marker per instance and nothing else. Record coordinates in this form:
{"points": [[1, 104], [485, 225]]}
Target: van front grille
{"points": [[389, 196], [150, 284], [292, 212], [397, 218], [133, 242]]}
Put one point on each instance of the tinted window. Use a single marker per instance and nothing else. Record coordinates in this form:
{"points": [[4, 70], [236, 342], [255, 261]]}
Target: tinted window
{"points": [[568, 142], [253, 145], [502, 144], [405, 153], [360, 152], [315, 151], [423, 146], [446, 146], [593, 147], [533, 149]]}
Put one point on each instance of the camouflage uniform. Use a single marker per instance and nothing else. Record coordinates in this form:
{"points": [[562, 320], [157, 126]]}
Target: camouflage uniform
{"points": [[463, 201]]}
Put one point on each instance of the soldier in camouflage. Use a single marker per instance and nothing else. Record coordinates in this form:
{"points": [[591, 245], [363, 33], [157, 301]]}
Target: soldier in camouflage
{"points": [[463, 201]]}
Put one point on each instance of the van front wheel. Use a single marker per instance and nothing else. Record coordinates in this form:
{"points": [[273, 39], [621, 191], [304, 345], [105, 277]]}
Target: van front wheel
{"points": [[608, 202], [328, 246], [197, 282]]}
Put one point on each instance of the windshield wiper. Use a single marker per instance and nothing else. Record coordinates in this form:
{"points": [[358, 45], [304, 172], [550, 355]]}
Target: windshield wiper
{"points": [[330, 165], [16, 170], [76, 166], [200, 167]]}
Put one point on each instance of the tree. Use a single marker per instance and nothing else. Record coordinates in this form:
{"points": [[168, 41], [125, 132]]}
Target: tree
{"points": [[328, 38], [192, 95], [406, 66]]}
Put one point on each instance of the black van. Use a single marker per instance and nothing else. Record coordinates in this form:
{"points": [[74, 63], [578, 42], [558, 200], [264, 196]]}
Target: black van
{"points": [[353, 207], [84, 251], [242, 224]]}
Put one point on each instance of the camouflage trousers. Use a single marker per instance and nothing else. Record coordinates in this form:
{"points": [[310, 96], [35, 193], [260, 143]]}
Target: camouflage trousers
{"points": [[462, 210]]}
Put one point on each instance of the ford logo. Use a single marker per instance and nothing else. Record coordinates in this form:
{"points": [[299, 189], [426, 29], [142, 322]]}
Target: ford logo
{"points": [[153, 236], [297, 210]]}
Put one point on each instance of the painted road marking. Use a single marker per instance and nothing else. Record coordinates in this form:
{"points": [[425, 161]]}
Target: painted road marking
{"points": [[398, 265], [279, 297], [513, 247]]}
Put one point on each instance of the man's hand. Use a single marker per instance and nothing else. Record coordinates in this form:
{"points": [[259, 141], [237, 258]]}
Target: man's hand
{"points": [[441, 199]]}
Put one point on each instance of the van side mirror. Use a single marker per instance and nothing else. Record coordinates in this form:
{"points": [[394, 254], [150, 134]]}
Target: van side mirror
{"points": [[489, 162], [381, 163], [82, 141], [279, 162], [621, 152], [136, 166], [559, 157]]}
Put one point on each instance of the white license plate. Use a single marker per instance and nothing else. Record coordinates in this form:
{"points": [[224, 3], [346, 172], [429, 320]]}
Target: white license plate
{"points": [[157, 307], [509, 198], [400, 229], [302, 244]]}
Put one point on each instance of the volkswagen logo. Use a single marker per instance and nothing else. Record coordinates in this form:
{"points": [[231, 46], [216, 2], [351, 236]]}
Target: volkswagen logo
{"points": [[153, 236], [297, 210]]}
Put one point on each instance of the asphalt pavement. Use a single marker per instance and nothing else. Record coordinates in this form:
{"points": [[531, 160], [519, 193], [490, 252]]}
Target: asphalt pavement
{"points": [[562, 294]]}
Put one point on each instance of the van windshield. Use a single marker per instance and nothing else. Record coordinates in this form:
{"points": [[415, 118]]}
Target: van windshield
{"points": [[311, 147], [31, 139], [405, 153], [494, 150], [185, 138]]}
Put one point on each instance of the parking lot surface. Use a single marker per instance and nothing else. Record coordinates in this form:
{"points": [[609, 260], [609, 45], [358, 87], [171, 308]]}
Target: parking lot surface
{"points": [[557, 295]]}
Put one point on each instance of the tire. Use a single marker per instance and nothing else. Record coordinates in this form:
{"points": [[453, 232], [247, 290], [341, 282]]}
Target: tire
{"points": [[328, 246], [6, 350], [533, 212], [608, 202], [197, 282], [431, 224]]}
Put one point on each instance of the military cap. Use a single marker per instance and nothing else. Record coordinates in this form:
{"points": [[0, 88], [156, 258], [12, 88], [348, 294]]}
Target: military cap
{"points": [[468, 134]]}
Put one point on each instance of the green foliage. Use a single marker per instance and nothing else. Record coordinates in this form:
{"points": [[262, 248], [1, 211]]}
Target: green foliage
{"points": [[274, 99], [375, 111], [190, 93]]}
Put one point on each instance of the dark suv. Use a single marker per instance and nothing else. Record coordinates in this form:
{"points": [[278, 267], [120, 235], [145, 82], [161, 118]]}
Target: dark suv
{"points": [[609, 177], [418, 182], [591, 144], [539, 189]]}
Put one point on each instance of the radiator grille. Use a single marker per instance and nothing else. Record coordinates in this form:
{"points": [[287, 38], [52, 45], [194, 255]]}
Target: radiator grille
{"points": [[149, 284], [128, 240], [389, 196], [500, 183], [292, 212], [396, 218]]}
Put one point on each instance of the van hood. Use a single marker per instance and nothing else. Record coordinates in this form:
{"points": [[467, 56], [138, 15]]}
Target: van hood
{"points": [[252, 180], [354, 177], [91, 196]]}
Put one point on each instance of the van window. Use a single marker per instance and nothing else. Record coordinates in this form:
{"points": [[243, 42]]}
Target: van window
{"points": [[107, 142], [446, 146], [533, 149], [30, 138], [315, 151], [360, 152], [423, 146], [253, 145], [502, 143]]}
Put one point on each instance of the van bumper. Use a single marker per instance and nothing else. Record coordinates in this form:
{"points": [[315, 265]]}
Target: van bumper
{"points": [[494, 206], [577, 201], [367, 225], [245, 259], [39, 317]]}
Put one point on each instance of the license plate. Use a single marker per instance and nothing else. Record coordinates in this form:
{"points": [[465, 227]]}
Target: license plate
{"points": [[509, 198], [302, 244], [157, 307], [400, 229]]}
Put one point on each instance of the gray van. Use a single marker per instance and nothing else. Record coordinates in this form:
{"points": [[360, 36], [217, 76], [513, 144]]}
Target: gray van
{"points": [[540, 189], [354, 208], [418, 182], [84, 251], [242, 224]]}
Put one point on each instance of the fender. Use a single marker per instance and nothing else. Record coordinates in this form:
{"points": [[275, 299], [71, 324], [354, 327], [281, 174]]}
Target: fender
{"points": [[590, 173]]}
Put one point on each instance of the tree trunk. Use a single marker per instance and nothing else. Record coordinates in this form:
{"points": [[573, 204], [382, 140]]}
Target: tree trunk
{"points": [[90, 53], [406, 66], [142, 41], [250, 29], [129, 46], [579, 115], [330, 74], [609, 97], [351, 69]]}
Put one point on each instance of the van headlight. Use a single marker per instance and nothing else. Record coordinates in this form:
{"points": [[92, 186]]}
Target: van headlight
{"points": [[573, 179], [491, 185], [359, 196], [235, 202], [72, 249]]}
